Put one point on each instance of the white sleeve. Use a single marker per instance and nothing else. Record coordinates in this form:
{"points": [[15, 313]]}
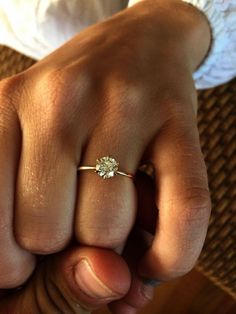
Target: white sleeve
{"points": [[37, 27], [220, 65]]}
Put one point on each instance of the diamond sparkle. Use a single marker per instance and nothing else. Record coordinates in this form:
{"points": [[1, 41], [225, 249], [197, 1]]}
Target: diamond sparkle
{"points": [[106, 167]]}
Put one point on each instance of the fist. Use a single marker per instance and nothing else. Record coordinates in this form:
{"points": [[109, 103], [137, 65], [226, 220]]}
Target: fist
{"points": [[96, 96]]}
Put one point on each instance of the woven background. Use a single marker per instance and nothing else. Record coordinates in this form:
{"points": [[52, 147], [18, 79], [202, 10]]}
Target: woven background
{"points": [[217, 127]]}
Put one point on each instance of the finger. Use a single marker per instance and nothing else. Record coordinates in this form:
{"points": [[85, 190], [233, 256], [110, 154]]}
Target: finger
{"points": [[76, 281], [140, 293], [182, 198], [16, 265], [106, 209], [47, 178], [147, 213]]}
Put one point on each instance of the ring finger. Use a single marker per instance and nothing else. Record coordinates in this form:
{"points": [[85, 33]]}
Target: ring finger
{"points": [[106, 209]]}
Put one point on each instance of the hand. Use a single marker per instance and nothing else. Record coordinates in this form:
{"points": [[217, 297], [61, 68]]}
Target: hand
{"points": [[106, 92], [63, 283]]}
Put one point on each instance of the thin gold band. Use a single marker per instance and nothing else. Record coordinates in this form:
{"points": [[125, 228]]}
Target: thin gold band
{"points": [[129, 175]]}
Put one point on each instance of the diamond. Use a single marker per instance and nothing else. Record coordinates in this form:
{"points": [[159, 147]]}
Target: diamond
{"points": [[106, 167]]}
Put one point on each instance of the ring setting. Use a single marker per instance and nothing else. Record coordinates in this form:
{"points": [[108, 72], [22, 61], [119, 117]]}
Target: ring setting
{"points": [[106, 167]]}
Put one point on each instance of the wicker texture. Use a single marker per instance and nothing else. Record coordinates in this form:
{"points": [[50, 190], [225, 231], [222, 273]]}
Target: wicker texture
{"points": [[217, 126], [12, 62]]}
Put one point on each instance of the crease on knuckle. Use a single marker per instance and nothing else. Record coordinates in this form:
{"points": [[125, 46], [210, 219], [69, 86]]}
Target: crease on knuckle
{"points": [[41, 245], [193, 208], [179, 111], [103, 236], [198, 203], [171, 92]]}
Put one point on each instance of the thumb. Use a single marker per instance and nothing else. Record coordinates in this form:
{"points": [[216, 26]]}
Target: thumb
{"points": [[78, 280]]}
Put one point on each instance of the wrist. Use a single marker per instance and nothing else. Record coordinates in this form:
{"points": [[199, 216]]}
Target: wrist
{"points": [[179, 23]]}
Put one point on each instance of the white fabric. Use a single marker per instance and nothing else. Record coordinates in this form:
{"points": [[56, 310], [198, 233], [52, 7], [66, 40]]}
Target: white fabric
{"points": [[220, 65], [37, 27]]}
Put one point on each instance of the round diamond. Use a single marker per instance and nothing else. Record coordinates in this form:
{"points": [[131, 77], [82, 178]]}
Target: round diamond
{"points": [[106, 167]]}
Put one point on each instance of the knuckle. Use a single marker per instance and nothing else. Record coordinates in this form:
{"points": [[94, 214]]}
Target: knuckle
{"points": [[173, 95], [174, 267], [54, 100], [5, 88], [61, 99], [12, 281], [7, 85], [11, 88], [42, 245], [105, 237], [182, 130], [62, 85], [179, 111], [124, 100], [13, 275], [198, 204], [178, 269]]}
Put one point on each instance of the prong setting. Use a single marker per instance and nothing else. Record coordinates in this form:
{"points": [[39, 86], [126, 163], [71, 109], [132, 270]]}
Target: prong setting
{"points": [[106, 167]]}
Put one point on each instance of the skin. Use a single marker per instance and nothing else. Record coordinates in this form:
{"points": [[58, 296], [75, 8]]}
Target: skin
{"points": [[104, 92]]}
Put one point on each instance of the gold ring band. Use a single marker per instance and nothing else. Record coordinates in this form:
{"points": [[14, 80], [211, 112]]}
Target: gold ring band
{"points": [[117, 172]]}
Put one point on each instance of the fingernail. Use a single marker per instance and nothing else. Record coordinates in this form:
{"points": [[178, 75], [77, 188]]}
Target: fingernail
{"points": [[151, 282], [90, 284]]}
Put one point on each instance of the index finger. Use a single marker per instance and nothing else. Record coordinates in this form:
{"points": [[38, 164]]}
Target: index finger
{"points": [[16, 265]]}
